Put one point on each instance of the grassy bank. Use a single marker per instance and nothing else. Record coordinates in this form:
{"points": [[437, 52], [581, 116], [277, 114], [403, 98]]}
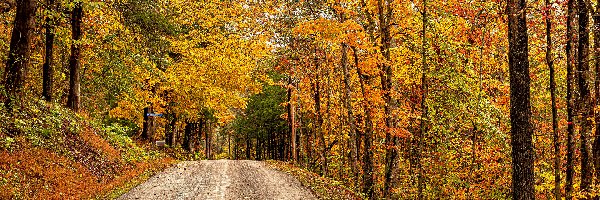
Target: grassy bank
{"points": [[322, 187], [49, 152]]}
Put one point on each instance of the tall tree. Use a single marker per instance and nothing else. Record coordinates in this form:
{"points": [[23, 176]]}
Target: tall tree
{"points": [[48, 68], [585, 97], [291, 120], [520, 108], [550, 63], [570, 51], [318, 114], [74, 99], [596, 145], [365, 79], [385, 17], [20, 49], [354, 138], [424, 109]]}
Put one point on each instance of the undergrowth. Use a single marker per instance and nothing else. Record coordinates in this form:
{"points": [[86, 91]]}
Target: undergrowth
{"points": [[49, 152], [322, 187]]}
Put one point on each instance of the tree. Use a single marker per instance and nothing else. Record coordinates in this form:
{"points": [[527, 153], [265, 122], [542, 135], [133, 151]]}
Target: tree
{"points": [[596, 59], [365, 80], [424, 109], [570, 51], [48, 68], [20, 50], [585, 97], [385, 21], [74, 99], [354, 137], [555, 137], [520, 108]]}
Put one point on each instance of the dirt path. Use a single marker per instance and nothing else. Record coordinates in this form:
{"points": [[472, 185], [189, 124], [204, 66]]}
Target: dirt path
{"points": [[220, 179]]}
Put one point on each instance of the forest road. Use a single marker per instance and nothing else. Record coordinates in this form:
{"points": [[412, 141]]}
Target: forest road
{"points": [[220, 179]]}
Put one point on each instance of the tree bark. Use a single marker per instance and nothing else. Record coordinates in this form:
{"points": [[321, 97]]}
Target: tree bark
{"points": [[585, 98], [146, 124], [424, 109], [319, 120], [596, 145], [187, 137], [291, 119], [571, 16], [350, 111], [364, 80], [74, 100], [20, 50], [248, 145], [48, 68], [170, 129], [385, 17], [520, 108], [555, 138]]}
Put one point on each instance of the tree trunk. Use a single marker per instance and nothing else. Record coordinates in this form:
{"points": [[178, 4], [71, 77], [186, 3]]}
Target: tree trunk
{"points": [[555, 138], [74, 99], [385, 15], [187, 137], [348, 104], [520, 108], [364, 80], [424, 109], [319, 124], [20, 50], [571, 16], [146, 125], [248, 146], [585, 98], [596, 146], [291, 120], [354, 145], [170, 129], [48, 68]]}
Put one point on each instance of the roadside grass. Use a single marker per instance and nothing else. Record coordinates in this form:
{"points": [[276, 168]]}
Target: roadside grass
{"points": [[323, 188]]}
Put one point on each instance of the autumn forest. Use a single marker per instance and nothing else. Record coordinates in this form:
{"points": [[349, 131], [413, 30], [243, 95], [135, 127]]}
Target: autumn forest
{"points": [[381, 99]]}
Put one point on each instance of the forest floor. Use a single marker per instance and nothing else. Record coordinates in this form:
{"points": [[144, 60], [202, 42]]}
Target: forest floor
{"points": [[220, 179]]}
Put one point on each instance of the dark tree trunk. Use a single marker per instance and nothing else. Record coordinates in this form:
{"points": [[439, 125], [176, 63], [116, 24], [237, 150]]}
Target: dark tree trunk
{"points": [[248, 145], [585, 98], [364, 80], [48, 68], [74, 100], [20, 50], [146, 125], [520, 108], [170, 129], [571, 15], [424, 109], [350, 111], [596, 146], [319, 124], [385, 15], [555, 138], [187, 137], [208, 135]]}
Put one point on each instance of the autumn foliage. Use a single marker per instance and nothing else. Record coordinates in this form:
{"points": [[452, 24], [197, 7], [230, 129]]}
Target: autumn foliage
{"points": [[392, 99]]}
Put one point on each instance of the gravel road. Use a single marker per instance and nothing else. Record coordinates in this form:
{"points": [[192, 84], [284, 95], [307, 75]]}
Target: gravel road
{"points": [[220, 179]]}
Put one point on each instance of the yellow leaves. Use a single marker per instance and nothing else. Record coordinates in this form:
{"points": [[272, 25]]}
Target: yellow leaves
{"points": [[217, 67]]}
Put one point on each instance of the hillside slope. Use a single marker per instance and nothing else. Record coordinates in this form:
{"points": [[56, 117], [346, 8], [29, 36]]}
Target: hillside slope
{"points": [[49, 152]]}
